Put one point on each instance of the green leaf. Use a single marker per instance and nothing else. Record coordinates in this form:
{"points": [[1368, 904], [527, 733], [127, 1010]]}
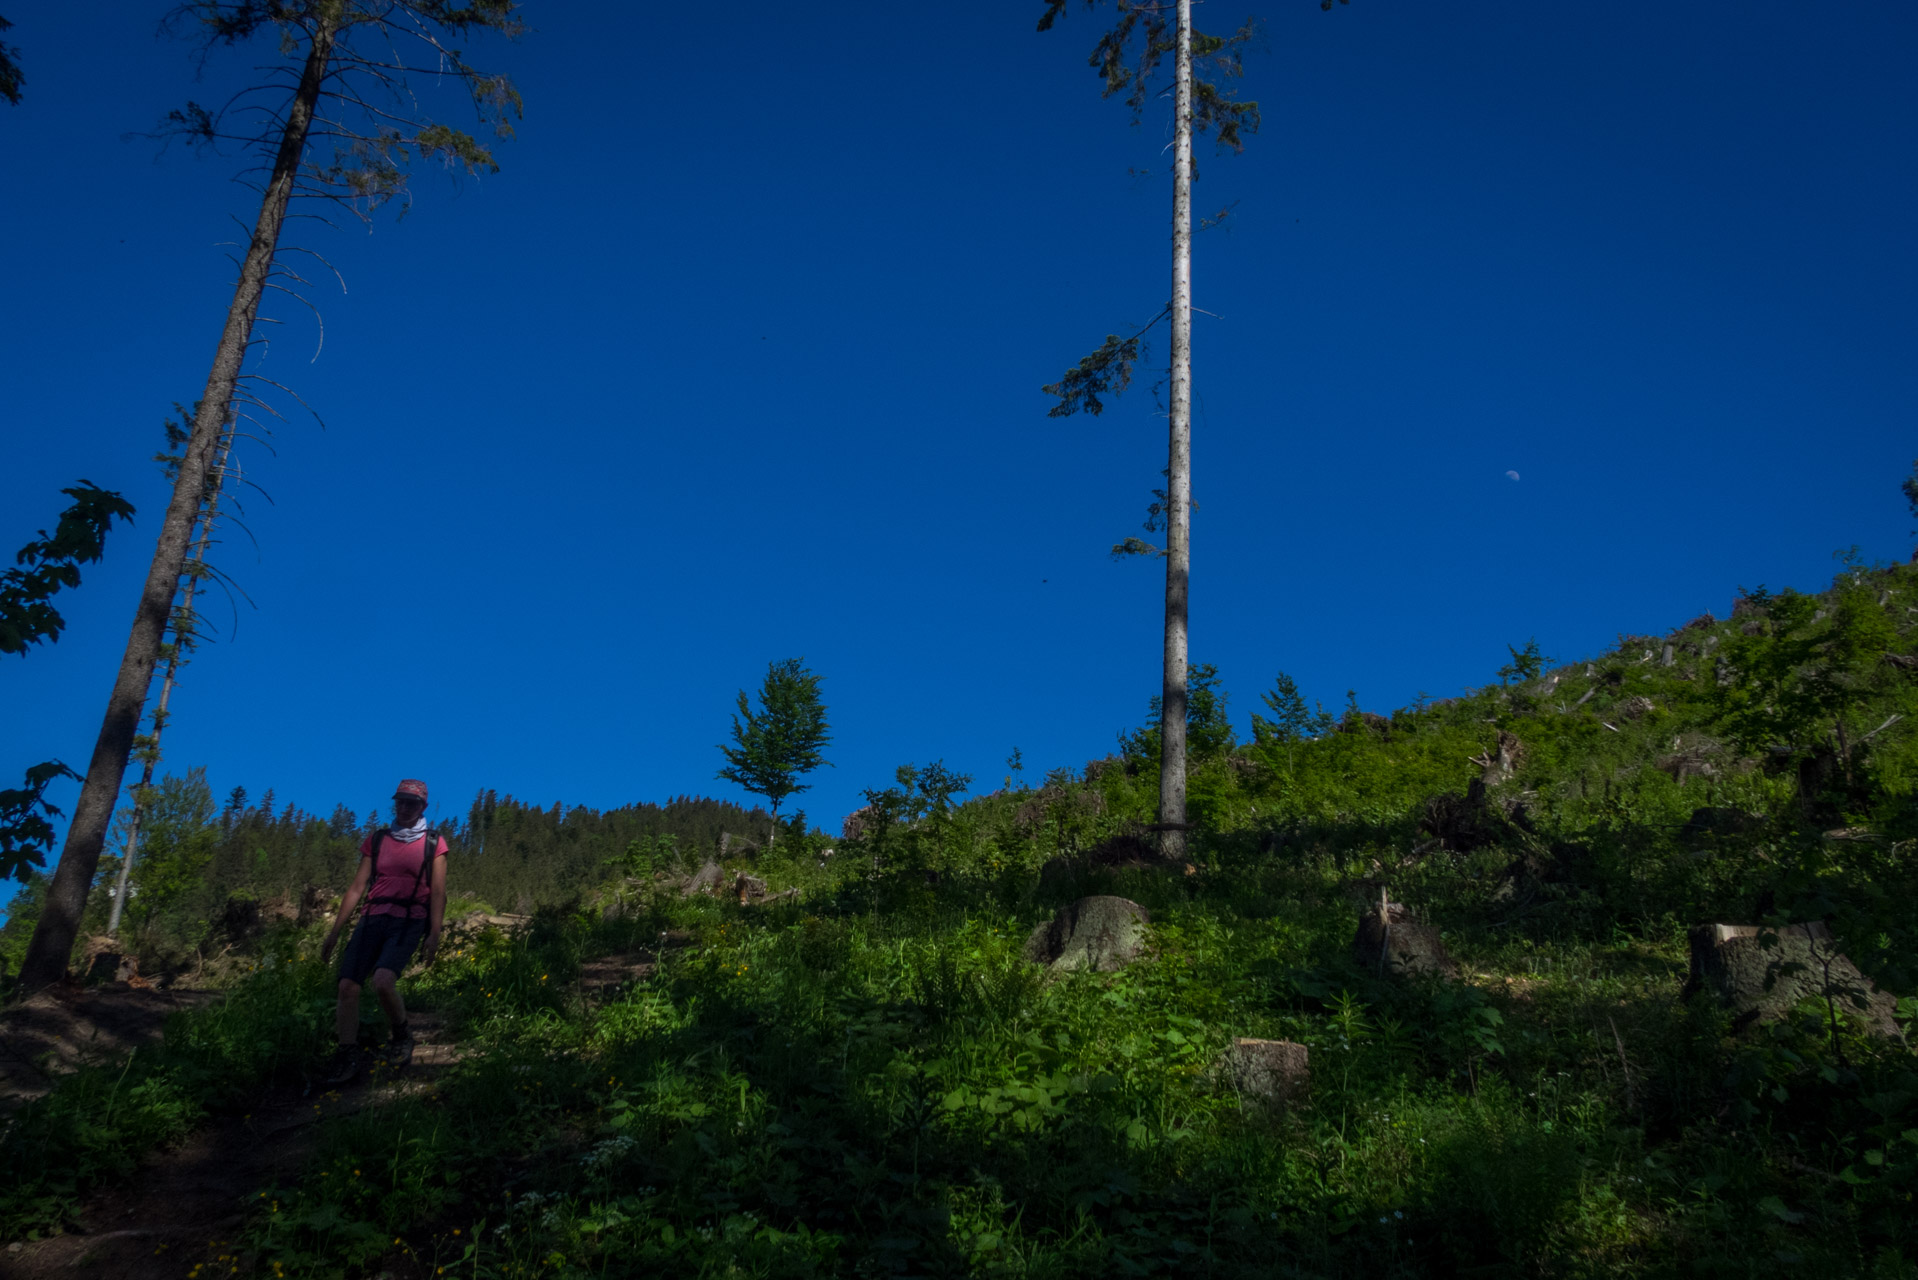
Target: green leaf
{"points": [[1776, 1207]]}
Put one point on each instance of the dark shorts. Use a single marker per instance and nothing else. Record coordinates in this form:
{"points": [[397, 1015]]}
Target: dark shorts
{"points": [[380, 942]]}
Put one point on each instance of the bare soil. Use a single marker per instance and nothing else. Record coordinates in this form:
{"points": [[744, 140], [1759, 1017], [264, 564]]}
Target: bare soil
{"points": [[64, 1028]]}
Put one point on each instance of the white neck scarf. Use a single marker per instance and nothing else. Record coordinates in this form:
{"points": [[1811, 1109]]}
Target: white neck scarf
{"points": [[407, 835]]}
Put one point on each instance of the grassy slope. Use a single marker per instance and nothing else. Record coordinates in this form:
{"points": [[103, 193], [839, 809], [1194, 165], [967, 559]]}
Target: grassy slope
{"points": [[872, 1081]]}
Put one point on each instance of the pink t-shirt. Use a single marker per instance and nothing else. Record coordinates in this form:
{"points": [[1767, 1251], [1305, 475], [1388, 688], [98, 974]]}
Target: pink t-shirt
{"points": [[399, 876]]}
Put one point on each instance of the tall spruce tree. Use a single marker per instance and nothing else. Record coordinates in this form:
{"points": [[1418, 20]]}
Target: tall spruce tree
{"points": [[774, 746], [1128, 58], [348, 63]]}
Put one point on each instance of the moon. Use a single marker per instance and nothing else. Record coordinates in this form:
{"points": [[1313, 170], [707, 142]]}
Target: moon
{"points": [[1511, 475]]}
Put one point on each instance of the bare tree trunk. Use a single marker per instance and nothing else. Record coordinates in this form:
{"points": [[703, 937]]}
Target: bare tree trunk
{"points": [[1178, 530], [184, 621], [53, 937]]}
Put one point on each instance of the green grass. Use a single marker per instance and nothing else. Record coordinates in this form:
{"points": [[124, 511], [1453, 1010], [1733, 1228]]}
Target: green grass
{"points": [[872, 1080], [819, 1092], [97, 1124]]}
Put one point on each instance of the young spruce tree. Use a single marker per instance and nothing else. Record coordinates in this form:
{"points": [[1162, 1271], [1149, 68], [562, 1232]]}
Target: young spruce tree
{"points": [[342, 79], [774, 746]]}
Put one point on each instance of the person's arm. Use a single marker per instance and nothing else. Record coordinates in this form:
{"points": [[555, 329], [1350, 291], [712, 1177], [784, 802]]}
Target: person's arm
{"points": [[350, 901], [435, 908]]}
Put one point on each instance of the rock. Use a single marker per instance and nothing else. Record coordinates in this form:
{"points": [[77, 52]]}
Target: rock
{"points": [[1636, 707], [1401, 945], [1267, 1073], [706, 880], [1762, 982], [1102, 933]]}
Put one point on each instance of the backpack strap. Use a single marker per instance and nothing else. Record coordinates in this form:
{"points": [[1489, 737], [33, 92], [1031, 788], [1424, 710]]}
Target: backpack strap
{"points": [[428, 851]]}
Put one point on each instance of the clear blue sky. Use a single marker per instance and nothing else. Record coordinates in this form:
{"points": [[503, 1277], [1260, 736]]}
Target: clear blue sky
{"points": [[739, 358]]}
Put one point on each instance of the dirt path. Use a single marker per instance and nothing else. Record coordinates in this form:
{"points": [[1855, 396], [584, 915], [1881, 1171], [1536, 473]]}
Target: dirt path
{"points": [[58, 1030], [187, 1205]]}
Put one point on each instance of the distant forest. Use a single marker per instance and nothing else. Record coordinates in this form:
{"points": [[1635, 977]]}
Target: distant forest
{"points": [[507, 854]]}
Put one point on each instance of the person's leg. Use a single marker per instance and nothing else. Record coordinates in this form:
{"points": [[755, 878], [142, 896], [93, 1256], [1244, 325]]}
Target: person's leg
{"points": [[346, 1018], [387, 993]]}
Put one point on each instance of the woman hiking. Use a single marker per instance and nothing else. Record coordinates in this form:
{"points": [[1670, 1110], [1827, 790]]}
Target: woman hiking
{"points": [[405, 866]]}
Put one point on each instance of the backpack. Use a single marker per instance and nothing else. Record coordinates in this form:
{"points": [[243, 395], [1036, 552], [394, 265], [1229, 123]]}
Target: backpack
{"points": [[378, 838]]}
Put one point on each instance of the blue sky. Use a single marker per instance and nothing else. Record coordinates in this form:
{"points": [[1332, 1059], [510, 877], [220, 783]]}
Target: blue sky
{"points": [[738, 358]]}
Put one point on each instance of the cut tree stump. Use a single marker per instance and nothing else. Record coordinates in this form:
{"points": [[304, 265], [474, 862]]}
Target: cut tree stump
{"points": [[1762, 982], [706, 880], [1268, 1073], [1399, 944], [1103, 933]]}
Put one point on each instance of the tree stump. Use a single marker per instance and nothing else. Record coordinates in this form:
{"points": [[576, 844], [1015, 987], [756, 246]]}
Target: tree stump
{"points": [[1761, 983], [1267, 1073], [1398, 944], [1103, 933], [706, 880]]}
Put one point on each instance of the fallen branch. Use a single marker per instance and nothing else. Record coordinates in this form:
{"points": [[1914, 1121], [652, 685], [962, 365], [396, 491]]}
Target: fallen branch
{"points": [[1890, 720]]}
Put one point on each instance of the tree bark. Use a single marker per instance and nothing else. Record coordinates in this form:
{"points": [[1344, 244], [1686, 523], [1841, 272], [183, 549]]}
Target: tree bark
{"points": [[182, 641], [1178, 531], [59, 924]]}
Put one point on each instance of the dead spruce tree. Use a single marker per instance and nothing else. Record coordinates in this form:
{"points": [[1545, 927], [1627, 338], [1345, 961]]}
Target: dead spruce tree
{"points": [[176, 652], [1128, 59], [333, 120]]}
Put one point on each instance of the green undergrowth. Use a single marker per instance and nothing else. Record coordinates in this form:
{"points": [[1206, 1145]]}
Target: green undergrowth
{"points": [[804, 1092], [870, 1079], [98, 1123]]}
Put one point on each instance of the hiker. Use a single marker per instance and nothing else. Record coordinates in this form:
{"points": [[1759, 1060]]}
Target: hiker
{"points": [[405, 867]]}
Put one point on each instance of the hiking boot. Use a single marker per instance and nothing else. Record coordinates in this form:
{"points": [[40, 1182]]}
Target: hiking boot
{"points": [[343, 1068], [399, 1050]]}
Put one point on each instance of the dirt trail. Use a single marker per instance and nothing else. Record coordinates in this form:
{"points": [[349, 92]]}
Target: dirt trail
{"points": [[187, 1205], [58, 1030]]}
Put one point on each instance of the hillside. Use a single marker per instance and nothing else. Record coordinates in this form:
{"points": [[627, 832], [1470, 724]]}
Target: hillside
{"points": [[869, 1075]]}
